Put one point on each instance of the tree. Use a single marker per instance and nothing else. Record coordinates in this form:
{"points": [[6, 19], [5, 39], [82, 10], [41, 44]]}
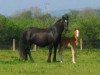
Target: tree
{"points": [[88, 21], [36, 11], [24, 14]]}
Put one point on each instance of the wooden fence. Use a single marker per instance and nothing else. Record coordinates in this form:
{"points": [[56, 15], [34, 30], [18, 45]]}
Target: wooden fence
{"points": [[35, 47]]}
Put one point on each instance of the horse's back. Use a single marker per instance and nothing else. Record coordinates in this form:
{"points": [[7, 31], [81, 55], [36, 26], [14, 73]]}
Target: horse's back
{"points": [[40, 37], [67, 40]]}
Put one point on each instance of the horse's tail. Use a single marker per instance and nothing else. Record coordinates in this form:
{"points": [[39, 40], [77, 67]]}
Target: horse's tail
{"points": [[22, 50]]}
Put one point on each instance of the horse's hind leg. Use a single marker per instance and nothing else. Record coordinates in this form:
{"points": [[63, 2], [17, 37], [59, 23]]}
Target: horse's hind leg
{"points": [[50, 53], [24, 56], [22, 50], [29, 52], [30, 56]]}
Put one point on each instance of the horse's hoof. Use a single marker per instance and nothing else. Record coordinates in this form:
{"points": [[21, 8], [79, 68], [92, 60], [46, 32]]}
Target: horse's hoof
{"points": [[54, 61], [32, 61], [74, 62], [48, 61], [23, 60], [61, 62]]}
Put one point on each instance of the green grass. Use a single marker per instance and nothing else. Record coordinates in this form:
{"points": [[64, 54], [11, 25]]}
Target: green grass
{"points": [[88, 63]]}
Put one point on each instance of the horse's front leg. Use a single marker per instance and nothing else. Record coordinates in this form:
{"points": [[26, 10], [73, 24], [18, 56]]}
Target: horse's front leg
{"points": [[60, 54], [55, 50], [73, 54], [50, 53]]}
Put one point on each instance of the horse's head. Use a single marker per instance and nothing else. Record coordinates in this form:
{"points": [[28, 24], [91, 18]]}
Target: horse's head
{"points": [[65, 21], [62, 24], [76, 32]]}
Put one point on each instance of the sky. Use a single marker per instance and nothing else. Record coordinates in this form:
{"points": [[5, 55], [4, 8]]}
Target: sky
{"points": [[9, 7]]}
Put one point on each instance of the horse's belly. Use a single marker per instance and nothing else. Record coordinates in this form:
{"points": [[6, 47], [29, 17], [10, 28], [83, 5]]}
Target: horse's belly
{"points": [[41, 43], [42, 40]]}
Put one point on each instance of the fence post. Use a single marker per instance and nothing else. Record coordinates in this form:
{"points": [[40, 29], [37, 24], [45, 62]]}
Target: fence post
{"points": [[81, 46], [13, 44], [34, 47]]}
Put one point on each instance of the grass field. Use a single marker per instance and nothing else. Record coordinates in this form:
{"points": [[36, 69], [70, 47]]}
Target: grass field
{"points": [[88, 63]]}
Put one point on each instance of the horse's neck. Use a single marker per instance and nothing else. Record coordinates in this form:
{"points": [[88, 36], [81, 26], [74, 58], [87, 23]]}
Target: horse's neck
{"points": [[59, 27], [74, 37]]}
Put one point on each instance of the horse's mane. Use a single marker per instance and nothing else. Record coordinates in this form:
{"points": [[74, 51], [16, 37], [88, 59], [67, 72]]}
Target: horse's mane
{"points": [[58, 21]]}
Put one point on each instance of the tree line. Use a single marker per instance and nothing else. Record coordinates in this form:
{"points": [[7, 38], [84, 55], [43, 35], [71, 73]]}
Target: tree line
{"points": [[87, 20]]}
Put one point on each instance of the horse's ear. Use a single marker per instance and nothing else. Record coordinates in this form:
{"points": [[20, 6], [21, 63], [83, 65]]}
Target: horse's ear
{"points": [[78, 28], [65, 17]]}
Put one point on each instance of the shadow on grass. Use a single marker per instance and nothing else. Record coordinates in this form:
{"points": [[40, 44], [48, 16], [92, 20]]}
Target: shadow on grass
{"points": [[14, 61]]}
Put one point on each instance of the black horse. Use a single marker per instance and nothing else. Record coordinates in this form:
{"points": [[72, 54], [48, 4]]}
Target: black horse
{"points": [[42, 37]]}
